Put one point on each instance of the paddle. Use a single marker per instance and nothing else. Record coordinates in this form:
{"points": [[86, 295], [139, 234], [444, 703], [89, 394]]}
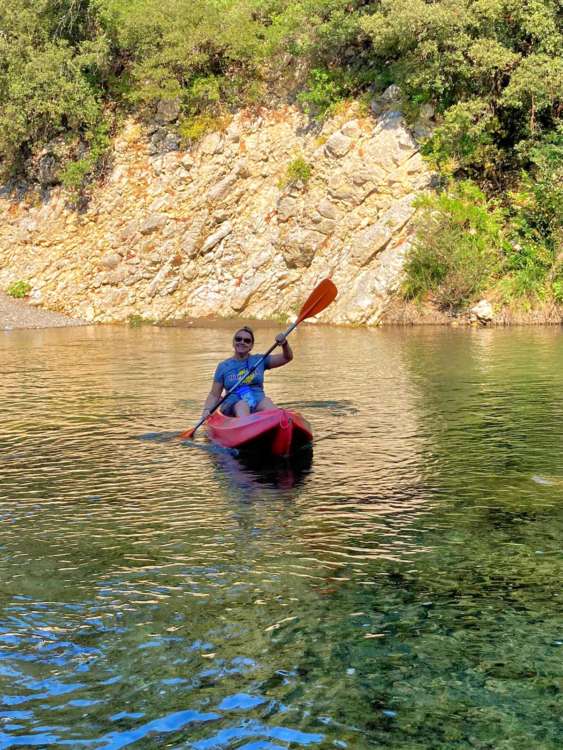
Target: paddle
{"points": [[319, 298]]}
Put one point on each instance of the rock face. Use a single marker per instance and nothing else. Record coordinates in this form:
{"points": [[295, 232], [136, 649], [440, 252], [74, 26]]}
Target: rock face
{"points": [[219, 231]]}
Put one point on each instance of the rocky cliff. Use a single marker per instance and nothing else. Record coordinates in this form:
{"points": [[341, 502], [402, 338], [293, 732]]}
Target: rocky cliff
{"points": [[245, 223]]}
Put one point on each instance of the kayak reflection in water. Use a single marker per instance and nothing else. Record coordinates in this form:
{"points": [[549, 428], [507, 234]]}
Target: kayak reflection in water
{"points": [[249, 397]]}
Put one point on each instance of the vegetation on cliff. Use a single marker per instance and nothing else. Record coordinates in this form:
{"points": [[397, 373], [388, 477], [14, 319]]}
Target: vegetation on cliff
{"points": [[490, 69]]}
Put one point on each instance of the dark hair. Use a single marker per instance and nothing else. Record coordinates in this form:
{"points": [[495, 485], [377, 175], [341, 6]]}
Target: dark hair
{"points": [[247, 329]]}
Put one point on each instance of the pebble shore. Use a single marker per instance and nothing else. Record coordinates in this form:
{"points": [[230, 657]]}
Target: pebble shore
{"points": [[15, 313]]}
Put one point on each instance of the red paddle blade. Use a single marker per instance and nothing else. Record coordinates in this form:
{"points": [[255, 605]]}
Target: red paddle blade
{"points": [[319, 298]]}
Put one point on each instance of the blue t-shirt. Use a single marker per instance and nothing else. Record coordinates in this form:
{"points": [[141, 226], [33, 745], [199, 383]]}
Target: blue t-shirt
{"points": [[230, 370]]}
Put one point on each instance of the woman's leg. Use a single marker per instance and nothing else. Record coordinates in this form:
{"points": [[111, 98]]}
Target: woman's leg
{"points": [[266, 403], [241, 408]]}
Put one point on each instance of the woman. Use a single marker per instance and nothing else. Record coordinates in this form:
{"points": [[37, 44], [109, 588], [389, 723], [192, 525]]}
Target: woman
{"points": [[249, 396]]}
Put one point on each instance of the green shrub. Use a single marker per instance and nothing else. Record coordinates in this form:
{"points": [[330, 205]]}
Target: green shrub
{"points": [[298, 170], [136, 321], [76, 173], [465, 141], [19, 289], [324, 90], [327, 89], [192, 129], [457, 251], [532, 262]]}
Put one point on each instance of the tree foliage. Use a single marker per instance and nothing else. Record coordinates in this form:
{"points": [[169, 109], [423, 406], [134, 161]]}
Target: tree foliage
{"points": [[492, 67]]}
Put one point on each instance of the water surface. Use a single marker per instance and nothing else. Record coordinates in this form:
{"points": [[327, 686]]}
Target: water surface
{"points": [[399, 590]]}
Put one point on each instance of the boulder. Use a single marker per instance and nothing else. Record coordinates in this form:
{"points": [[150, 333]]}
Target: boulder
{"points": [[212, 144], [341, 189], [398, 214], [233, 132], [117, 276], [225, 229], [325, 226], [242, 296], [222, 188], [110, 260], [368, 242], [163, 142], [152, 288], [35, 298], [187, 162], [338, 144], [170, 287], [392, 94], [299, 247], [287, 208], [190, 240], [167, 110], [391, 143], [48, 170], [113, 298], [152, 223], [483, 311], [327, 209], [351, 129]]}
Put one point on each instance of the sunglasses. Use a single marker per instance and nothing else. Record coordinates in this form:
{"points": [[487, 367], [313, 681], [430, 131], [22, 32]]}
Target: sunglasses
{"points": [[242, 340]]}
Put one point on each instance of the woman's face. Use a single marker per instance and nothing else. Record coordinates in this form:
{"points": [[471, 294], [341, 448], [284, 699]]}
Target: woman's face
{"points": [[242, 343]]}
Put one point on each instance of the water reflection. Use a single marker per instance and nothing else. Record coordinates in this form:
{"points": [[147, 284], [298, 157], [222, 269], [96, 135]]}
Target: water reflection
{"points": [[394, 589], [248, 472]]}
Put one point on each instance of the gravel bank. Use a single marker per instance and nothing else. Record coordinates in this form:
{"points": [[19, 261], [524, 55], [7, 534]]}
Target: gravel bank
{"points": [[15, 313]]}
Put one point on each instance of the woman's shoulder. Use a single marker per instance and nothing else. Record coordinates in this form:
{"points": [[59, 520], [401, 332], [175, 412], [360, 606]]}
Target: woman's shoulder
{"points": [[225, 364]]}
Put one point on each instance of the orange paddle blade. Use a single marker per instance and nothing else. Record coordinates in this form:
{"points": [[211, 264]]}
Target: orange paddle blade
{"points": [[319, 298], [188, 434]]}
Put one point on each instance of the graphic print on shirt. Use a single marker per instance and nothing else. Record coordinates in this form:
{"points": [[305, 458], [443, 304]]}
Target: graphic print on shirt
{"points": [[230, 371], [247, 380]]}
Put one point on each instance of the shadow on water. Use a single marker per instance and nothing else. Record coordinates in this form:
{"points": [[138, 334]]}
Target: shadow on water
{"points": [[249, 471]]}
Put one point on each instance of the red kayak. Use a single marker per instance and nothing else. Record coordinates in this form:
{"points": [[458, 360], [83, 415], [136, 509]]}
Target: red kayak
{"points": [[277, 432]]}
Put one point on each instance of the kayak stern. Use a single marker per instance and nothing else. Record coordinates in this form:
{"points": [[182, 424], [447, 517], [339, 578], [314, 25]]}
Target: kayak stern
{"points": [[277, 432]]}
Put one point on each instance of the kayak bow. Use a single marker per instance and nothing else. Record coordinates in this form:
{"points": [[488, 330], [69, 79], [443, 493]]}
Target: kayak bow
{"points": [[277, 432]]}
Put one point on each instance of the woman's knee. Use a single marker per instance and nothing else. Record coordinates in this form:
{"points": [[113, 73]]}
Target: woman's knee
{"points": [[266, 403]]}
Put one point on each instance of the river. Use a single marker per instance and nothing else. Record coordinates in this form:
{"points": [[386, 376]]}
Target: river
{"points": [[401, 588]]}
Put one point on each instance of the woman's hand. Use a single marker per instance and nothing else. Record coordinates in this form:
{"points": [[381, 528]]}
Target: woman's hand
{"points": [[277, 360]]}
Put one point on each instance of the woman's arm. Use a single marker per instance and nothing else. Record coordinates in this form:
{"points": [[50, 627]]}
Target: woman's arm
{"points": [[277, 360], [212, 398]]}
